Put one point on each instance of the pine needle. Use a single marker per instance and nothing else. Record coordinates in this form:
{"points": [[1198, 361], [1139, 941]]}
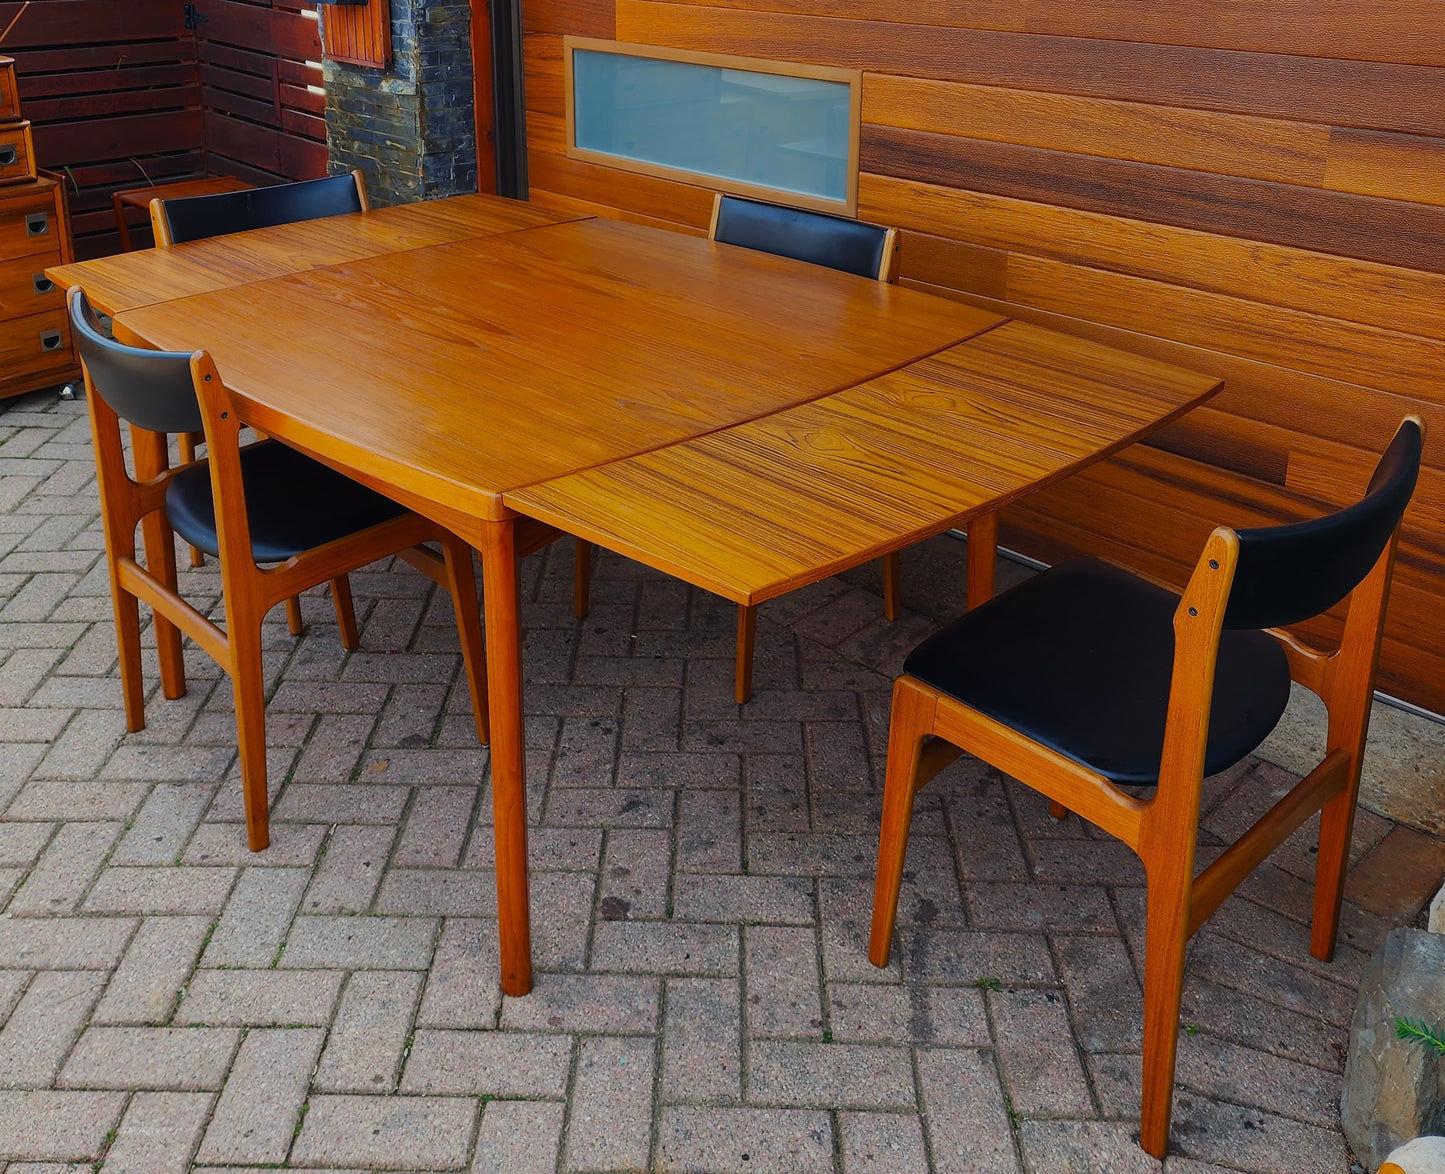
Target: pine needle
{"points": [[1430, 1038]]}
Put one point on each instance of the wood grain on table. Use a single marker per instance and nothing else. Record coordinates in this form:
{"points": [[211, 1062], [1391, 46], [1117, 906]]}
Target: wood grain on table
{"points": [[128, 280], [445, 376], [753, 511]]}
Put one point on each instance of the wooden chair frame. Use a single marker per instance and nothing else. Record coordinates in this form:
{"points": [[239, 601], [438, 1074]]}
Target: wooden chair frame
{"points": [[186, 442], [748, 614], [930, 729], [249, 591]]}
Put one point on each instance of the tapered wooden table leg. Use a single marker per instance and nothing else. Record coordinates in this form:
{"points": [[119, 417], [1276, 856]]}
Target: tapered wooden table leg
{"points": [[892, 585], [509, 782], [747, 636], [982, 555], [148, 449]]}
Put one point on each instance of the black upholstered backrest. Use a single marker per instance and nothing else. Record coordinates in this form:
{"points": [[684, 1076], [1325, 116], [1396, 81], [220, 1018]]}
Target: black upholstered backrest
{"points": [[834, 241], [197, 217], [151, 389], [1288, 573]]}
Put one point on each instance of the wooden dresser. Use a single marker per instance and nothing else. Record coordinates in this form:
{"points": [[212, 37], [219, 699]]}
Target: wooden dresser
{"points": [[35, 349]]}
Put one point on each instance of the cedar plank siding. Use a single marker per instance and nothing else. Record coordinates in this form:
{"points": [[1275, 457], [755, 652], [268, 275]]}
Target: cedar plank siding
{"points": [[1262, 199]]}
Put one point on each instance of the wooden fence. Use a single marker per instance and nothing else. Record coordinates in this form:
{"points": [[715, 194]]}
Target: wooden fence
{"points": [[146, 91]]}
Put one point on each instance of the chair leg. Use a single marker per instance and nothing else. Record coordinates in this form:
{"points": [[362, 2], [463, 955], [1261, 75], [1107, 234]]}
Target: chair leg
{"points": [[747, 633], [127, 639], [161, 562], [1166, 935], [293, 615], [1058, 810], [1337, 822], [345, 611], [912, 720], [248, 682], [148, 451], [582, 577], [892, 585], [462, 583], [186, 448]]}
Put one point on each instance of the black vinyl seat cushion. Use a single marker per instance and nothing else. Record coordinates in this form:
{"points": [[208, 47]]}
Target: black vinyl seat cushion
{"points": [[1079, 659], [293, 503]]}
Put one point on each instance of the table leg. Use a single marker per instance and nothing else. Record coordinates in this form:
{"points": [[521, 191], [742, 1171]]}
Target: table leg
{"points": [[151, 460], [982, 554], [509, 781]]}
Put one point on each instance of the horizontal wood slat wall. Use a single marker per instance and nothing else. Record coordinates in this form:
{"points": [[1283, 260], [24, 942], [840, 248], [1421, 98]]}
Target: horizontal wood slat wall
{"points": [[122, 93], [1260, 198], [262, 122], [115, 96]]}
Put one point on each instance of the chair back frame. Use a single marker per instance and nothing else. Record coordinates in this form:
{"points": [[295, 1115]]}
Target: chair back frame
{"points": [[888, 260], [1290, 573], [151, 389], [166, 236]]}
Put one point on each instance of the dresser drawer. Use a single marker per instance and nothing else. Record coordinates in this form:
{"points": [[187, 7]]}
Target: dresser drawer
{"points": [[24, 288], [29, 224], [35, 343], [17, 155], [9, 92]]}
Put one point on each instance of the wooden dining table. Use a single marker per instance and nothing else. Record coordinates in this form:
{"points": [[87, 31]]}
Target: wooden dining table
{"points": [[745, 422]]}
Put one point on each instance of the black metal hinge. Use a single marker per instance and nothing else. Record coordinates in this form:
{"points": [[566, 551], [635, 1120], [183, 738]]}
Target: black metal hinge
{"points": [[194, 18]]}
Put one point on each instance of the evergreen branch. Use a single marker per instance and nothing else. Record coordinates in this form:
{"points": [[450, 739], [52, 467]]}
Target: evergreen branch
{"points": [[1430, 1038]]}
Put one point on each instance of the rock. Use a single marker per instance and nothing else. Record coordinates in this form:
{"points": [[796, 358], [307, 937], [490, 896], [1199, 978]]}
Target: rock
{"points": [[1424, 1155], [1437, 912], [1394, 1088]]}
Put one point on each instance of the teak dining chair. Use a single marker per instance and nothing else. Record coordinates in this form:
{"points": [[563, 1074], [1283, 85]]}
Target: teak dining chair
{"points": [[191, 218], [262, 503], [836, 242], [1086, 679]]}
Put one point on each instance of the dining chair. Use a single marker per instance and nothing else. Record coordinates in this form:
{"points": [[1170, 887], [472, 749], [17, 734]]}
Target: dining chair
{"points": [[190, 218], [835, 242], [1085, 682], [262, 503]]}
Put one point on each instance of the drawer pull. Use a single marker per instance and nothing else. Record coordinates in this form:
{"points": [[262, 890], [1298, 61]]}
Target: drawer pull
{"points": [[37, 224], [43, 284], [50, 340], [8, 155]]}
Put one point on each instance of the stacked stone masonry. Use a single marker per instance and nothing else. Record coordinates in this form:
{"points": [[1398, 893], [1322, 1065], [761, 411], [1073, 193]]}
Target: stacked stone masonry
{"points": [[409, 128]]}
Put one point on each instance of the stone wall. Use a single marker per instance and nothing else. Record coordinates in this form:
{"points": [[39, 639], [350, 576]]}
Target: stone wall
{"points": [[409, 128]]}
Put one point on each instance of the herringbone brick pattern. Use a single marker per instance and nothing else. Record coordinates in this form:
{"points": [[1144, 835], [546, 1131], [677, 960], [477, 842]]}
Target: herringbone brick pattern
{"points": [[700, 893]]}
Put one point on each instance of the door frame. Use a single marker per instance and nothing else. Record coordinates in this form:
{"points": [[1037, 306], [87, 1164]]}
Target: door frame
{"points": [[499, 106]]}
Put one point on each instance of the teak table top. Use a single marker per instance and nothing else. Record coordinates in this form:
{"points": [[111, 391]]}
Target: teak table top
{"points": [[127, 280], [753, 511], [479, 366]]}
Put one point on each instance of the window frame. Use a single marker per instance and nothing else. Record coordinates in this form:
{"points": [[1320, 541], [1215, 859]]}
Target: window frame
{"points": [[853, 78]]}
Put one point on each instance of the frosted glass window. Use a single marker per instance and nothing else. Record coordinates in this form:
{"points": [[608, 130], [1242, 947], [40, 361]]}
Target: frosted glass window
{"points": [[773, 134]]}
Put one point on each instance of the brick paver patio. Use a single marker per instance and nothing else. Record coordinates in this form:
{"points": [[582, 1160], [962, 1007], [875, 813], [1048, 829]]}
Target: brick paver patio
{"points": [[701, 890]]}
